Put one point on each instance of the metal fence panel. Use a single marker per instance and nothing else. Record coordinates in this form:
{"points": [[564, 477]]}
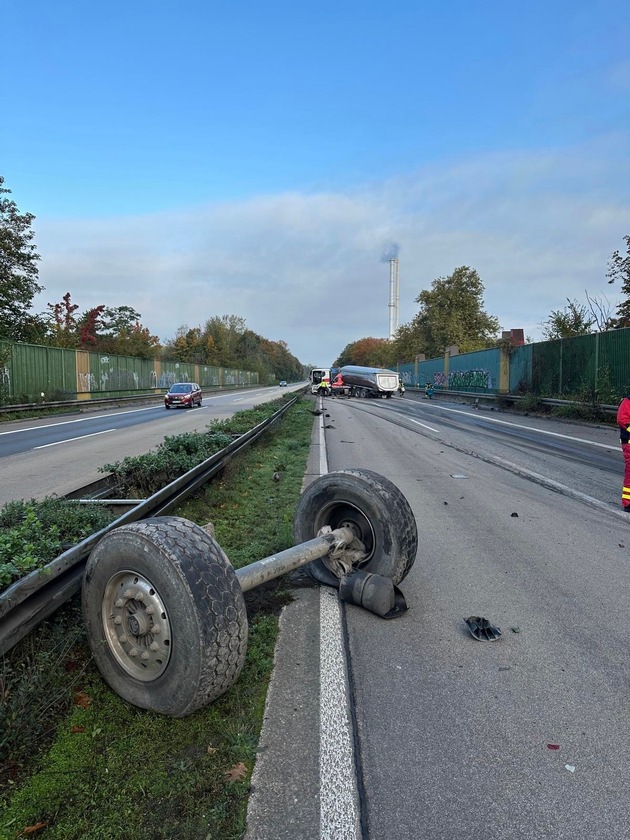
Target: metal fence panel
{"points": [[476, 372], [32, 370], [521, 369], [613, 363]]}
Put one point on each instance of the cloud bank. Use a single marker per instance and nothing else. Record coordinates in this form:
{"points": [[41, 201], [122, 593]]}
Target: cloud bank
{"points": [[309, 269]]}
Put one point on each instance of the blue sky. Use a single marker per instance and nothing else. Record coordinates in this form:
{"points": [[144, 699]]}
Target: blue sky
{"points": [[194, 159]]}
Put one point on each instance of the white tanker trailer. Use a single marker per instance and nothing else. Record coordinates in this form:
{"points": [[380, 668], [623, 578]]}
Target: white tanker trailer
{"points": [[369, 381]]}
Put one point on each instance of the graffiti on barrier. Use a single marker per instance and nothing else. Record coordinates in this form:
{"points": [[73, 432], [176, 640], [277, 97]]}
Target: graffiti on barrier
{"points": [[87, 382], [440, 380], [475, 378]]}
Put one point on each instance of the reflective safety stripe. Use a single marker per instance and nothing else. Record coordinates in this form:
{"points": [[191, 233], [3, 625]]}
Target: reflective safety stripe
{"points": [[625, 493]]}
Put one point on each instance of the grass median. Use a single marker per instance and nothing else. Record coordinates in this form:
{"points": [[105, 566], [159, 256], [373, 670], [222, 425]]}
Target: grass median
{"points": [[76, 761]]}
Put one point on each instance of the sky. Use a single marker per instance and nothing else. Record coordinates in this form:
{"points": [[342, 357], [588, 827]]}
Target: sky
{"points": [[199, 158]]}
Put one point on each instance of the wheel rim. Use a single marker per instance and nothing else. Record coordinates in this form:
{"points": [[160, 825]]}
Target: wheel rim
{"points": [[137, 626], [347, 515]]}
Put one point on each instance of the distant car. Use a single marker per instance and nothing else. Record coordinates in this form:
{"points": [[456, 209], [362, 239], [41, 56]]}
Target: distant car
{"points": [[183, 395], [283, 383]]}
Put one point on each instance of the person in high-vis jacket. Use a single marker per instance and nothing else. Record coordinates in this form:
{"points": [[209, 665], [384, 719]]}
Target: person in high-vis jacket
{"points": [[623, 421]]}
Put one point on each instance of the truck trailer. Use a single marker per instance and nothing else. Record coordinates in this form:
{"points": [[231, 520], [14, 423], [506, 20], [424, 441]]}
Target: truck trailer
{"points": [[369, 381]]}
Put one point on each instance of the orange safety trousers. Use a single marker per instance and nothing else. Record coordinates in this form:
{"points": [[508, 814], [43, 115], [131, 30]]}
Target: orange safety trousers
{"points": [[625, 493]]}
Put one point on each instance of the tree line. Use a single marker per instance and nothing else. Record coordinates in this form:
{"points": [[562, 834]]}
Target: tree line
{"points": [[223, 341]]}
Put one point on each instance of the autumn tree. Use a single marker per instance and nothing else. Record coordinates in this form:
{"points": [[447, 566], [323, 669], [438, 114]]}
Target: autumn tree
{"points": [[193, 346], [368, 352], [451, 312], [619, 269], [18, 271], [63, 326], [90, 324]]}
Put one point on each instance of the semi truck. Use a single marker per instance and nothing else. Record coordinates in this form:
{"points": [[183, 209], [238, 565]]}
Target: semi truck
{"points": [[369, 381]]}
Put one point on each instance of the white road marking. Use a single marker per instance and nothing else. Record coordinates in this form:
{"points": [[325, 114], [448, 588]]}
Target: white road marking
{"points": [[72, 440], [339, 816], [338, 796], [84, 419], [529, 428], [424, 426]]}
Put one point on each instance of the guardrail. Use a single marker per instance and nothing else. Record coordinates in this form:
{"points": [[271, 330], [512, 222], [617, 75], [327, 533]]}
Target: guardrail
{"points": [[10, 409], [30, 600]]}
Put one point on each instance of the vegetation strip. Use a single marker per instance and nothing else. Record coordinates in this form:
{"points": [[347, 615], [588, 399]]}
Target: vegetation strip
{"points": [[77, 761]]}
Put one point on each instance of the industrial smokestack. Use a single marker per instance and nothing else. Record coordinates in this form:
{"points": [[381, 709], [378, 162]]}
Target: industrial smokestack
{"points": [[394, 297]]}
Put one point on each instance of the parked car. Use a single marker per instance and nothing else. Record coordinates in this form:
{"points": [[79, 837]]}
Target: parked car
{"points": [[283, 383], [183, 394]]}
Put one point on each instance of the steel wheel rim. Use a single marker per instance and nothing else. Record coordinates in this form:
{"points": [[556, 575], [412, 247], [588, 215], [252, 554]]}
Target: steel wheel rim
{"points": [[347, 515], [137, 626]]}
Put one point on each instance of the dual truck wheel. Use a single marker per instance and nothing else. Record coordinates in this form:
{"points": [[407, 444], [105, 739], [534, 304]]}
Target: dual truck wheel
{"points": [[164, 611]]}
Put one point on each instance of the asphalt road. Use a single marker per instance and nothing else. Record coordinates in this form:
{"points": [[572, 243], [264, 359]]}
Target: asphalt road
{"points": [[411, 728], [57, 455], [525, 737]]}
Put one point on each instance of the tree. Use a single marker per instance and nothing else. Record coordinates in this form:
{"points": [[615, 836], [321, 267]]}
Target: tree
{"points": [[91, 322], [619, 269], [567, 322], [370, 352], [63, 322], [18, 269], [601, 312], [118, 320], [451, 312]]}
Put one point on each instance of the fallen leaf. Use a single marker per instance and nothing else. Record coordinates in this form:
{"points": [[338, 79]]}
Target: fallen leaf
{"points": [[76, 728], [553, 746], [236, 773], [81, 699], [31, 829], [212, 750]]}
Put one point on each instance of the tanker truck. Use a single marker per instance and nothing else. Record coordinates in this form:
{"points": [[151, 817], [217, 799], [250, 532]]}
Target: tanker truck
{"points": [[369, 381]]}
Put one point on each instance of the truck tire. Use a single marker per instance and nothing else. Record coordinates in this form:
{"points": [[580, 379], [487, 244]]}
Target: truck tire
{"points": [[165, 615], [374, 508]]}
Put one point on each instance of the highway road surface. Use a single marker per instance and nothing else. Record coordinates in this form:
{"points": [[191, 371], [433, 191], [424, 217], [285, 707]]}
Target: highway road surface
{"points": [[411, 728]]}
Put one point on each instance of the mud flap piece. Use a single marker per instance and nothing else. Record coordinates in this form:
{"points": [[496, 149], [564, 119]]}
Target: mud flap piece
{"points": [[482, 629], [375, 593]]}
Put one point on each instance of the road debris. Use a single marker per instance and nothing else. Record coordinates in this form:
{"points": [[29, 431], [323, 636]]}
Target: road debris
{"points": [[482, 629]]}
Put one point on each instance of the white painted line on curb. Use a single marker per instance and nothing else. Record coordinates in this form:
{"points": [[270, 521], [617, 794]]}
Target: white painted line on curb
{"points": [[339, 815], [323, 455], [338, 795]]}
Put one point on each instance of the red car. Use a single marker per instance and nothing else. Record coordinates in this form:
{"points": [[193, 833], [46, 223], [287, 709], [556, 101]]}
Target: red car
{"points": [[183, 394]]}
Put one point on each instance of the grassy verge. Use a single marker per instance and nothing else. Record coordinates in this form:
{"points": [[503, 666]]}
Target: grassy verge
{"points": [[76, 761]]}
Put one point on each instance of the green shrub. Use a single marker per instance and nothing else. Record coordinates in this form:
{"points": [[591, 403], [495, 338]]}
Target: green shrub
{"points": [[34, 533]]}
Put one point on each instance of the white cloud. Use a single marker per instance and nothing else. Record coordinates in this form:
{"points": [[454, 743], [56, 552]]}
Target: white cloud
{"points": [[308, 269]]}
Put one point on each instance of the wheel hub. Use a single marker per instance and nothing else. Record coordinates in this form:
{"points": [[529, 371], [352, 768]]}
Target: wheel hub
{"points": [[137, 626], [358, 553]]}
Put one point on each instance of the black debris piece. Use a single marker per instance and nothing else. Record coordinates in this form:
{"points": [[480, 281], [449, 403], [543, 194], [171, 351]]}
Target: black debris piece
{"points": [[482, 629]]}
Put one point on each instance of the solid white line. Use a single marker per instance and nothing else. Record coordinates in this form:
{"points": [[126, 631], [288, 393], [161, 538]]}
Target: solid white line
{"points": [[339, 816], [338, 796], [323, 455], [528, 428], [72, 440]]}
